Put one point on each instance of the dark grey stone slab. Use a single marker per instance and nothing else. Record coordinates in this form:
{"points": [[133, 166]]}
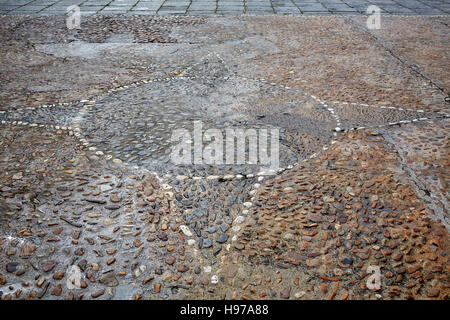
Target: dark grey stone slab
{"points": [[308, 7]]}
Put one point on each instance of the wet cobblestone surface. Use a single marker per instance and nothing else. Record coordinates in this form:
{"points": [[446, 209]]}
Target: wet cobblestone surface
{"points": [[315, 229], [85, 122]]}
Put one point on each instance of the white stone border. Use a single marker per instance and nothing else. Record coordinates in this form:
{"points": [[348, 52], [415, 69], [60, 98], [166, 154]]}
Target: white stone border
{"points": [[87, 103]]}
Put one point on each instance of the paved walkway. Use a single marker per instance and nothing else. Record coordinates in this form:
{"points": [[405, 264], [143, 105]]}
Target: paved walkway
{"points": [[90, 207], [197, 7]]}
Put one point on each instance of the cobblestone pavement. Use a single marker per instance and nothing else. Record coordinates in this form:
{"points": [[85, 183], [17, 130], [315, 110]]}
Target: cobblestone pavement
{"points": [[233, 7], [92, 208]]}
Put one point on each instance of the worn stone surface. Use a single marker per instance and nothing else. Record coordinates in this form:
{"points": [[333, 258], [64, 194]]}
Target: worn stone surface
{"points": [[223, 7], [91, 207], [350, 208]]}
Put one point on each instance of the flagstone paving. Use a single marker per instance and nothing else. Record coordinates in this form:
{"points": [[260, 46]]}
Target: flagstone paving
{"points": [[86, 118], [226, 7]]}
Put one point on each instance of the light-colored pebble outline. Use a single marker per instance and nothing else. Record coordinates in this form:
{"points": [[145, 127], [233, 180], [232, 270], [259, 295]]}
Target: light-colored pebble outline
{"points": [[77, 132], [87, 103]]}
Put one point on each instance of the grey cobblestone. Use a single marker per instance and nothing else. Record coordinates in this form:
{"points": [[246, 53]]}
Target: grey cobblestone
{"points": [[194, 7]]}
